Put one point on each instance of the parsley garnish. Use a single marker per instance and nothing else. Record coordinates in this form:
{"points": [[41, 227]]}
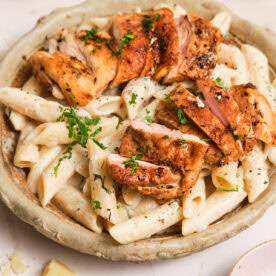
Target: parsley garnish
{"points": [[221, 84], [68, 156], [92, 35], [97, 204], [131, 163], [147, 22], [148, 118], [126, 39], [133, 98], [236, 189], [147, 148], [118, 125], [236, 136], [222, 155], [176, 37], [165, 137], [124, 207], [205, 139], [168, 97], [182, 117], [97, 176]]}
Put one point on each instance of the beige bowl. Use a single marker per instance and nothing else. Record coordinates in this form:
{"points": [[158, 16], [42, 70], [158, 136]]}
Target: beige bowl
{"points": [[57, 226]]}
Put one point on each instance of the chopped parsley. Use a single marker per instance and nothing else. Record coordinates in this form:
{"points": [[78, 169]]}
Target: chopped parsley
{"points": [[147, 22], [191, 90], [121, 206], [147, 148], [97, 204], [176, 37], [78, 129], [133, 98], [126, 39], [168, 97], [221, 84], [165, 137], [118, 125], [66, 155], [131, 163], [92, 35], [201, 95], [183, 142], [236, 136], [205, 139], [148, 118], [97, 176], [182, 117], [222, 155], [236, 189]]}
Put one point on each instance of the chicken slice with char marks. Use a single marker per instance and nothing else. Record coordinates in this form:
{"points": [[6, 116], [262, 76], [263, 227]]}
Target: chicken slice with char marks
{"points": [[132, 57], [166, 33], [202, 116], [253, 103], [199, 42], [75, 80], [168, 117], [182, 152], [226, 109], [149, 179]]}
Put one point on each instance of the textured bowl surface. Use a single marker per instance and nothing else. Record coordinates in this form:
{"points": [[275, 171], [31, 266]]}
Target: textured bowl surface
{"points": [[54, 224]]}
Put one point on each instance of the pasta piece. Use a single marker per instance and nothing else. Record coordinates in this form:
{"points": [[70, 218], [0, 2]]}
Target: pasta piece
{"points": [[255, 169], [227, 177], [147, 203], [148, 112], [46, 156], [136, 93], [52, 134], [222, 21], [30, 105], [86, 188], [26, 155], [131, 197], [218, 204], [102, 189], [81, 166], [224, 73], [272, 154], [78, 206], [57, 175], [106, 105], [259, 72], [18, 120], [148, 223], [233, 58], [34, 87], [193, 200]]}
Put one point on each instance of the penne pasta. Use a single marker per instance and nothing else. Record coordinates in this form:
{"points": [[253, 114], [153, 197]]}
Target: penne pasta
{"points": [[131, 197], [78, 206], [46, 156], [255, 169], [218, 204], [193, 200], [148, 223], [222, 21]]}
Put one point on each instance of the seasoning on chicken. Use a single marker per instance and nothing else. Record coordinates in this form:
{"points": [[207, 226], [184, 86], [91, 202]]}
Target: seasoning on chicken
{"points": [[162, 146], [130, 44], [166, 33], [198, 47], [75, 80], [192, 106], [226, 109], [93, 49], [253, 103], [147, 178], [168, 117]]}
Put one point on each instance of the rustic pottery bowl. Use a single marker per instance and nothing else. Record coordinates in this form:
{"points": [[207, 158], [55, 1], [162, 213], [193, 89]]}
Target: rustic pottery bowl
{"points": [[57, 226]]}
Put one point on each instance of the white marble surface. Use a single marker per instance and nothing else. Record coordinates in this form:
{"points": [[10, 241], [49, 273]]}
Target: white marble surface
{"points": [[17, 17]]}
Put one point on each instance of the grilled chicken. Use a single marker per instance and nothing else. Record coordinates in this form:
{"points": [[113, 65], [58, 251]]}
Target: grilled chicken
{"points": [[168, 117], [226, 109], [147, 178], [198, 46], [202, 116], [162, 146], [253, 103], [93, 49], [132, 49], [166, 33], [75, 80]]}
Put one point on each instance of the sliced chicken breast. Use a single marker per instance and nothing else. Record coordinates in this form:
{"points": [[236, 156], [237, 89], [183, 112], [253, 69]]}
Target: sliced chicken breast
{"points": [[253, 103], [226, 109], [147, 178], [168, 117], [75, 80], [199, 40], [202, 116]]}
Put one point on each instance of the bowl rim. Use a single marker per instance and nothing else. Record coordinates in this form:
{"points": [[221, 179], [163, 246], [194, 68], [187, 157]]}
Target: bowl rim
{"points": [[74, 235]]}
